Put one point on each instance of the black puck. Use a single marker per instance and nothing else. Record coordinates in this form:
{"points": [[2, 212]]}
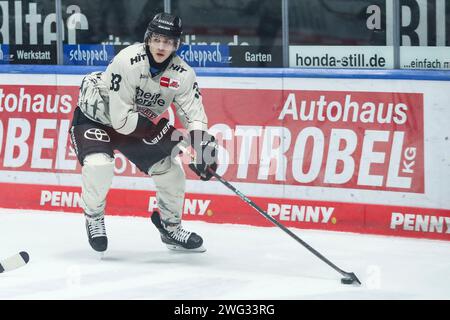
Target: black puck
{"points": [[347, 281]]}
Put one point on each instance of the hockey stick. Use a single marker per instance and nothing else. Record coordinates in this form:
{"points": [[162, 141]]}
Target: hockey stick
{"points": [[16, 261], [349, 277]]}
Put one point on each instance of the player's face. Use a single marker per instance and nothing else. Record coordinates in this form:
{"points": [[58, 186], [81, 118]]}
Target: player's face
{"points": [[161, 47]]}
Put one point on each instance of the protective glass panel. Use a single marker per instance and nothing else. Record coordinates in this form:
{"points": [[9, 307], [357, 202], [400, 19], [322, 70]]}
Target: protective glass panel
{"points": [[28, 32], [425, 34], [97, 30], [341, 33], [231, 33]]}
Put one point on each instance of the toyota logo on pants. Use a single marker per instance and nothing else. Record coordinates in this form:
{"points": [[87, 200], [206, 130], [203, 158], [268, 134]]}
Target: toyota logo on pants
{"points": [[97, 134]]}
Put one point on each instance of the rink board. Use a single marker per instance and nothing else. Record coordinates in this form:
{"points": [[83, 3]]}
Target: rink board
{"points": [[369, 155]]}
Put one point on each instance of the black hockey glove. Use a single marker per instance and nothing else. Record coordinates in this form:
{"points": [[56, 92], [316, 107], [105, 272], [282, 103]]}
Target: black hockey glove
{"points": [[164, 135], [206, 151]]}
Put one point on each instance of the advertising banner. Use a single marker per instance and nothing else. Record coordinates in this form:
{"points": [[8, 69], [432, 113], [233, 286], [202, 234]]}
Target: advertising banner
{"points": [[425, 58], [256, 56], [344, 139], [205, 55], [369, 156], [88, 54], [361, 57], [4, 54], [32, 54]]}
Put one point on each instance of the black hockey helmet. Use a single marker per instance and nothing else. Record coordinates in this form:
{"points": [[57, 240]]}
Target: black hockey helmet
{"points": [[165, 24]]}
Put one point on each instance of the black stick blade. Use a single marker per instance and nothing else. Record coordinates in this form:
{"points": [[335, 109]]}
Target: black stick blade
{"points": [[350, 278], [25, 256]]}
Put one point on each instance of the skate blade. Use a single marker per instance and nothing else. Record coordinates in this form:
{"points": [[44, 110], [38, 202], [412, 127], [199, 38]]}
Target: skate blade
{"points": [[181, 249]]}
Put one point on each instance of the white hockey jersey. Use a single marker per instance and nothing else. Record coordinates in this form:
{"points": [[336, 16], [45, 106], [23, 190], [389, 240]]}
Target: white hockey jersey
{"points": [[126, 89]]}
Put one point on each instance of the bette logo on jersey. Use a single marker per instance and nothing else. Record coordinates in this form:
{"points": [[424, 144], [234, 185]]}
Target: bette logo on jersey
{"points": [[173, 84], [148, 99]]}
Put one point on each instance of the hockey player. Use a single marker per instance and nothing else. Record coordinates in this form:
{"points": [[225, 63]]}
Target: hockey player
{"points": [[120, 108]]}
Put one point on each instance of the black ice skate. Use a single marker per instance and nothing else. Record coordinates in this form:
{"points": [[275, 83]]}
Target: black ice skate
{"points": [[176, 238], [95, 228]]}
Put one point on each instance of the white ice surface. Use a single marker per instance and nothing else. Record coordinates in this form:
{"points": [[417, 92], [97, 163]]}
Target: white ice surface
{"points": [[241, 262]]}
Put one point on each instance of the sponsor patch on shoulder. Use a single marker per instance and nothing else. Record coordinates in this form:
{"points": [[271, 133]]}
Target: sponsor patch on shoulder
{"points": [[164, 82], [173, 84]]}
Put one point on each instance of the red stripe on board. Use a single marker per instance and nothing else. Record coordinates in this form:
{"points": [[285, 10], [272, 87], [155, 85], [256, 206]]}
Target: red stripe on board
{"points": [[323, 215]]}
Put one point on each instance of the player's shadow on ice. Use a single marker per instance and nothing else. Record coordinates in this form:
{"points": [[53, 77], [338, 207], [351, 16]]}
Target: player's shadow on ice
{"points": [[157, 257]]}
